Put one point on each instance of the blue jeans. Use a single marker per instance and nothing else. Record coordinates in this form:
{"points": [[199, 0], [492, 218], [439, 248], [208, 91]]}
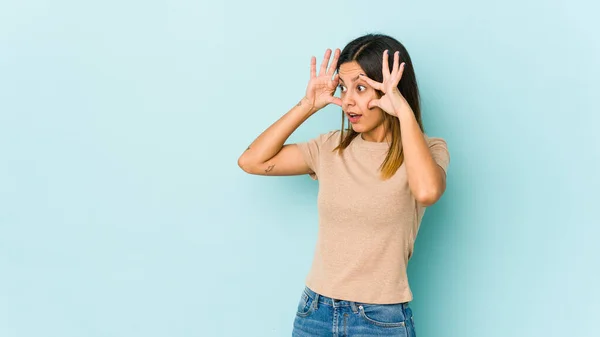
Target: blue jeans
{"points": [[319, 315]]}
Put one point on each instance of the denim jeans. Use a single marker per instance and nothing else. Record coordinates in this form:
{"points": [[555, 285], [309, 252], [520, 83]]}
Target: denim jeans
{"points": [[319, 315]]}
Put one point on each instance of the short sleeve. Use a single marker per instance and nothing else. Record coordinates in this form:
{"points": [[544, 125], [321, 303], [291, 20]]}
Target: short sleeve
{"points": [[313, 149], [439, 151]]}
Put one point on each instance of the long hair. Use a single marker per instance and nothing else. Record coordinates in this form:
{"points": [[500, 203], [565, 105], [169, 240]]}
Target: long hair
{"points": [[367, 51]]}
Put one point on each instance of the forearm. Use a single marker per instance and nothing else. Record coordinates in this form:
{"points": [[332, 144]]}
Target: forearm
{"points": [[425, 177], [270, 141]]}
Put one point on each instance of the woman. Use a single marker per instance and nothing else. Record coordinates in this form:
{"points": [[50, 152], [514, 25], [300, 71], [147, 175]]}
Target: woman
{"points": [[375, 180]]}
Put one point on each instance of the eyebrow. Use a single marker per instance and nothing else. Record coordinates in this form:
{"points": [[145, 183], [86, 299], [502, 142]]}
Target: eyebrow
{"points": [[352, 80]]}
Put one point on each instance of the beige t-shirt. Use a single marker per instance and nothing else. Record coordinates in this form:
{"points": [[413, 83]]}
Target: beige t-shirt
{"points": [[367, 226]]}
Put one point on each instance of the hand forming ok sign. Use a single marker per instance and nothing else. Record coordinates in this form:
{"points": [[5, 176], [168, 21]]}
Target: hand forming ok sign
{"points": [[392, 99]]}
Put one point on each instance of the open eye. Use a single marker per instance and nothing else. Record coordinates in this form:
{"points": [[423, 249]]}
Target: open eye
{"points": [[359, 87]]}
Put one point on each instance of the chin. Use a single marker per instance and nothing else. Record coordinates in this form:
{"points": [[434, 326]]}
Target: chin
{"points": [[358, 127]]}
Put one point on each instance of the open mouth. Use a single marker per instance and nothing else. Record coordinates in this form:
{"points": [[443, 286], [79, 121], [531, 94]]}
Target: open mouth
{"points": [[353, 117]]}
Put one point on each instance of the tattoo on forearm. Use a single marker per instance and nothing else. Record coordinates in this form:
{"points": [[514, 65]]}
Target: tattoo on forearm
{"points": [[248, 148], [299, 103], [269, 169]]}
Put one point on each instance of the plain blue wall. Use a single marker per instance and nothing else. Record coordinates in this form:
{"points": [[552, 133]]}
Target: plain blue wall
{"points": [[123, 211]]}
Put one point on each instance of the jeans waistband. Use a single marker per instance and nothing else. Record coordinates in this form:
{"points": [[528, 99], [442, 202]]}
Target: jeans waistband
{"points": [[322, 299]]}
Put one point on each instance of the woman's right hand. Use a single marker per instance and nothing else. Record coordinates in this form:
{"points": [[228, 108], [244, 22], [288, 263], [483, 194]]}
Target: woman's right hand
{"points": [[321, 88]]}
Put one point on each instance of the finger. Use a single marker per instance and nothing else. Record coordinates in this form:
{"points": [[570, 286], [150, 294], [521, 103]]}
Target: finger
{"points": [[401, 71], [372, 104], [313, 67], [376, 85], [333, 65], [395, 67], [336, 101], [385, 66], [336, 80], [334, 83], [325, 62]]}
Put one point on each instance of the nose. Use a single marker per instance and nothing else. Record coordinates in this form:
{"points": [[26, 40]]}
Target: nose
{"points": [[347, 100]]}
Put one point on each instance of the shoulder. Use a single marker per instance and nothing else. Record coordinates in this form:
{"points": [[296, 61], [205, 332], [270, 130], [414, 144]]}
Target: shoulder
{"points": [[332, 136], [439, 150], [327, 139], [435, 141]]}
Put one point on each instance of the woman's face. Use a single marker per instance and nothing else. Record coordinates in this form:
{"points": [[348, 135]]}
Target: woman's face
{"points": [[356, 95]]}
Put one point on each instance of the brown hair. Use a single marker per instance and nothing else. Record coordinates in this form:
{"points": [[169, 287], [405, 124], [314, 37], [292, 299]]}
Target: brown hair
{"points": [[367, 51]]}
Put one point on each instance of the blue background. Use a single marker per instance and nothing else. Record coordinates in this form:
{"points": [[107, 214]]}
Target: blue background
{"points": [[123, 211]]}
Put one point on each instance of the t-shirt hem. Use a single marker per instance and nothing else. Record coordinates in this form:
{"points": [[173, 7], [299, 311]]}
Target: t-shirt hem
{"points": [[354, 298]]}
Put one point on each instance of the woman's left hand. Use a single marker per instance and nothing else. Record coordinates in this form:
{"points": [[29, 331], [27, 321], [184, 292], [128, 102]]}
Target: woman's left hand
{"points": [[392, 100]]}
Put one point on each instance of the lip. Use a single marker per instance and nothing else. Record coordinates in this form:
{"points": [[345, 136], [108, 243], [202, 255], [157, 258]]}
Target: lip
{"points": [[348, 113], [355, 119]]}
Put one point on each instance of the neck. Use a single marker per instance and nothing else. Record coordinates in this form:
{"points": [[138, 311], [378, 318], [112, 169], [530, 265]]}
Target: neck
{"points": [[377, 135]]}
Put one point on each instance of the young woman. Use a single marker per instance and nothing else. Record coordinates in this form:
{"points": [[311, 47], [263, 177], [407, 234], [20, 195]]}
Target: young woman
{"points": [[375, 180]]}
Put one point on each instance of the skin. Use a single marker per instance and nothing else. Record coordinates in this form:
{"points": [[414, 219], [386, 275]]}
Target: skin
{"points": [[268, 155], [356, 94], [426, 179]]}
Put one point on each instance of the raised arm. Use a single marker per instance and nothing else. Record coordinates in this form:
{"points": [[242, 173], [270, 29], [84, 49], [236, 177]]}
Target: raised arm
{"points": [[267, 155]]}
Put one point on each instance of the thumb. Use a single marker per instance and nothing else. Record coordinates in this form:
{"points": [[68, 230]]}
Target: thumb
{"points": [[336, 100]]}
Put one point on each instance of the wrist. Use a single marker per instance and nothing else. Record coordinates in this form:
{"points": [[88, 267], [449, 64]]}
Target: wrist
{"points": [[401, 107], [307, 105]]}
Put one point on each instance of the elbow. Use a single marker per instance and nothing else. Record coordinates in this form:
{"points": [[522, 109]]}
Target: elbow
{"points": [[247, 165], [429, 197], [243, 164]]}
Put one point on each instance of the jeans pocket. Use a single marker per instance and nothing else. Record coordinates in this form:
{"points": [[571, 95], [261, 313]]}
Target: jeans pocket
{"points": [[305, 305], [383, 315]]}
